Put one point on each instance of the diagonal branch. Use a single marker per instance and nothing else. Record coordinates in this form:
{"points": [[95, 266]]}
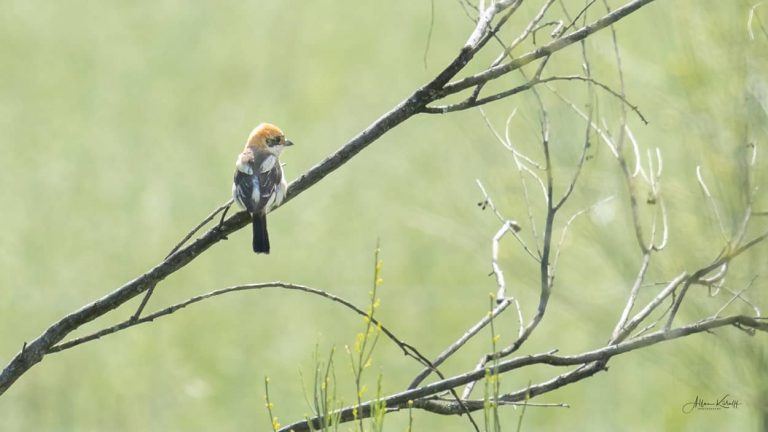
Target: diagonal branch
{"points": [[586, 360], [546, 50], [469, 334], [474, 102], [34, 351]]}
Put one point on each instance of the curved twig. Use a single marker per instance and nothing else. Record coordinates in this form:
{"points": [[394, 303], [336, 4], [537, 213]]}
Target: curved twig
{"points": [[407, 348]]}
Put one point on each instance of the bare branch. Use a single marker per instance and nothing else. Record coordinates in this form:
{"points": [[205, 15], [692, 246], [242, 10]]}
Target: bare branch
{"points": [[619, 329], [712, 203], [568, 225], [734, 297], [473, 102], [501, 291], [482, 30], [600, 131], [650, 307], [586, 360], [605, 87], [639, 170], [545, 50], [506, 141], [407, 348], [439, 87], [754, 17], [452, 407], [743, 248], [532, 25], [429, 31], [740, 296], [520, 163], [582, 13], [469, 334], [223, 208]]}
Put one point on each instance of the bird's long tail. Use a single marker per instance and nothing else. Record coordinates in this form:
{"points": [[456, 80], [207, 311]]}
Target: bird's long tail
{"points": [[260, 235]]}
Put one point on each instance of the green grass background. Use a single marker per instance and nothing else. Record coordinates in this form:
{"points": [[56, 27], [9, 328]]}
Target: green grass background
{"points": [[119, 126]]}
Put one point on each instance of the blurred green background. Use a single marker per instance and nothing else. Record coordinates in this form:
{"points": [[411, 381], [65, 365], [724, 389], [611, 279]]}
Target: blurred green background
{"points": [[120, 124]]}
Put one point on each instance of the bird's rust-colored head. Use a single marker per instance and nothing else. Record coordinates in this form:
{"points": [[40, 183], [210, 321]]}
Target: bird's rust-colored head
{"points": [[268, 137]]}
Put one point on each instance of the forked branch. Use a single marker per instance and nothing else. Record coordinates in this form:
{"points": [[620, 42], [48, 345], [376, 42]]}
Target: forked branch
{"points": [[436, 89]]}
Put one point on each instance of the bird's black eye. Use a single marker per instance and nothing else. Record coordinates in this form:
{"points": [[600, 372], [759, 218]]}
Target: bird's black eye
{"points": [[273, 141]]}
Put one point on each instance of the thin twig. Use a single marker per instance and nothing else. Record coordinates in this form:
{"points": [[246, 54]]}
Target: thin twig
{"points": [[529, 28], [740, 296], [639, 170], [754, 17], [224, 207], [567, 225], [544, 51], [406, 348], [429, 31], [582, 13], [454, 347], [712, 204], [511, 225], [600, 131], [650, 307], [734, 297], [633, 292], [608, 89]]}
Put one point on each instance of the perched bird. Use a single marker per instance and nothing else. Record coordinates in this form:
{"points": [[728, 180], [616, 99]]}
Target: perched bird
{"points": [[259, 182]]}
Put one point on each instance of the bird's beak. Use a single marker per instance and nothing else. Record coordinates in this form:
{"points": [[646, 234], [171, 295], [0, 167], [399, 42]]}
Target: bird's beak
{"points": [[288, 143]]}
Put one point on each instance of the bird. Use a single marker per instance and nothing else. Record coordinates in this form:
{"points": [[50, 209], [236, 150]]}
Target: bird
{"points": [[259, 184]]}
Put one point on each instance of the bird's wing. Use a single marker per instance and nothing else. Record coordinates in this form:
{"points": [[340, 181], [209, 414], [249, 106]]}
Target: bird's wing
{"points": [[244, 185], [256, 181], [269, 178]]}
